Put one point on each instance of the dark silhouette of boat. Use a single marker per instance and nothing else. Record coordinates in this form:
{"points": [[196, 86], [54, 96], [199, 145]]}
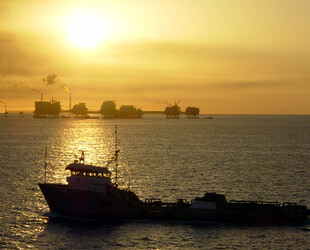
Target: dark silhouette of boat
{"points": [[91, 194]]}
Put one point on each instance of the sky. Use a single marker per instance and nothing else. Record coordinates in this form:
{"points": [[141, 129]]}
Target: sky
{"points": [[223, 56]]}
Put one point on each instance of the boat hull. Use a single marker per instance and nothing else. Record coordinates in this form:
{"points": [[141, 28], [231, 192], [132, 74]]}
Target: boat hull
{"points": [[116, 204], [88, 204], [113, 204]]}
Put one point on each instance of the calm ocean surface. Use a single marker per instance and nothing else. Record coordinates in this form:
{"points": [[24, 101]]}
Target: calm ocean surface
{"points": [[243, 157]]}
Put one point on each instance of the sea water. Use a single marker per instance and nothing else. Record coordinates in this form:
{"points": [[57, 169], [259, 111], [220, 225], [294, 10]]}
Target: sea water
{"points": [[244, 157]]}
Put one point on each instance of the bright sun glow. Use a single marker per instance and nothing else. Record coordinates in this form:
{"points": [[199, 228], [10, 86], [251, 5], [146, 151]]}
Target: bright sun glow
{"points": [[86, 30]]}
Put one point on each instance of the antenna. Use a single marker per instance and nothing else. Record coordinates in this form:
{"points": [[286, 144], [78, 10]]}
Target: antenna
{"points": [[45, 164], [82, 157], [129, 184], [176, 103]]}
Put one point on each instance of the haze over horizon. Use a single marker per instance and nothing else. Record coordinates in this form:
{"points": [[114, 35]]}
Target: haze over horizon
{"points": [[225, 57]]}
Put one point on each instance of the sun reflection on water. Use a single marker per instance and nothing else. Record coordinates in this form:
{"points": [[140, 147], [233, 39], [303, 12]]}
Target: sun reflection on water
{"points": [[96, 140]]}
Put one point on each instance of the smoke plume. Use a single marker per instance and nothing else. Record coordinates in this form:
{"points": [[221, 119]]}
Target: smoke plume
{"points": [[35, 90], [25, 86], [50, 79]]}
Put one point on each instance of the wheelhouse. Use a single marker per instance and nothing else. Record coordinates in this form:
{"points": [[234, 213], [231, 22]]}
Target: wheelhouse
{"points": [[78, 169]]}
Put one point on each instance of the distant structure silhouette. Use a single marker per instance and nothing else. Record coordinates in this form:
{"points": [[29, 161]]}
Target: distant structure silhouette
{"points": [[192, 112], [80, 110], [108, 111], [47, 109], [173, 111], [129, 111]]}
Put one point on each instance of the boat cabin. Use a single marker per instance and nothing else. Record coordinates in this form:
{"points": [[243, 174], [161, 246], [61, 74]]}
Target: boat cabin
{"points": [[88, 177], [88, 170]]}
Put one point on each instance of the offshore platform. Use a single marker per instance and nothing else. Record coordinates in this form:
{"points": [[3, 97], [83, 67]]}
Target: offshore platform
{"points": [[45, 109]]}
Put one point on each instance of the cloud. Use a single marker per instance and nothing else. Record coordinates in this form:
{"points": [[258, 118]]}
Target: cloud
{"points": [[10, 86], [16, 58], [194, 87], [197, 51], [169, 62], [229, 85]]}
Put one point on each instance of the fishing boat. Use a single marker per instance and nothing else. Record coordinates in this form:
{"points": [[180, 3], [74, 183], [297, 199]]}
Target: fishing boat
{"points": [[91, 194]]}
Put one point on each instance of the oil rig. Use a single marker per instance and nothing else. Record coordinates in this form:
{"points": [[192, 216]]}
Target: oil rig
{"points": [[108, 111], [49, 109], [174, 111]]}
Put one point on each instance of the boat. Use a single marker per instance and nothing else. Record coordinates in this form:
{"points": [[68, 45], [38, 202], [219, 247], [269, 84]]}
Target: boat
{"points": [[91, 194]]}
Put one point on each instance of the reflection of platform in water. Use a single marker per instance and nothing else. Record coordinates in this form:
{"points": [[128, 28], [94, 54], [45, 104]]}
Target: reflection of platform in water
{"points": [[47, 109]]}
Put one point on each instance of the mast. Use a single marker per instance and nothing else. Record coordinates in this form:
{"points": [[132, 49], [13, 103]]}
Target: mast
{"points": [[116, 156], [69, 104], [45, 164]]}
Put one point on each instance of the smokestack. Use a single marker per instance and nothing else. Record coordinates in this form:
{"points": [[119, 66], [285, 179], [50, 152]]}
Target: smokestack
{"points": [[6, 113], [69, 92], [70, 105]]}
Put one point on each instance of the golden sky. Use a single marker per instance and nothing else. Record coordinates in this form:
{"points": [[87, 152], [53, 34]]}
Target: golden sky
{"points": [[223, 56]]}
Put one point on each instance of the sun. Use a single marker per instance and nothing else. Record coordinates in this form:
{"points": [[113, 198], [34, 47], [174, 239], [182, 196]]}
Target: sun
{"points": [[86, 30]]}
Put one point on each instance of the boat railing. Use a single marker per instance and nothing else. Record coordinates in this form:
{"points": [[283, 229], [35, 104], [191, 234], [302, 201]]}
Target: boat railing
{"points": [[277, 204], [153, 201], [256, 202], [289, 204], [183, 201]]}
